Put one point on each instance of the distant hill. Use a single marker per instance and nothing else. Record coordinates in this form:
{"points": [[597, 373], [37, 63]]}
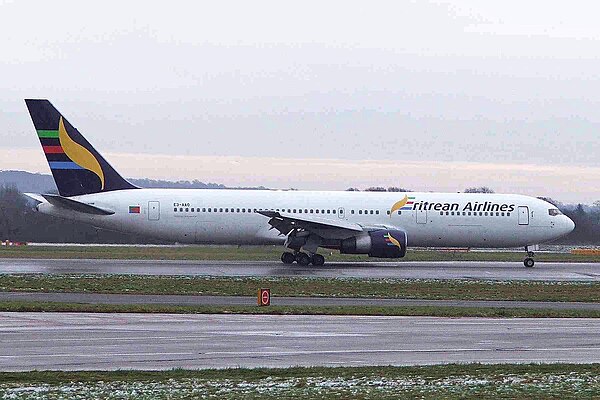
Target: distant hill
{"points": [[43, 183]]}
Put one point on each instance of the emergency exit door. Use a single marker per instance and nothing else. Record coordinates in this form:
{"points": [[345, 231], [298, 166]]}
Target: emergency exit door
{"points": [[153, 210], [421, 216]]}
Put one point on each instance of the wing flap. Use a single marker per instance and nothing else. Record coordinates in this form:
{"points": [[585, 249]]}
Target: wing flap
{"points": [[324, 227]]}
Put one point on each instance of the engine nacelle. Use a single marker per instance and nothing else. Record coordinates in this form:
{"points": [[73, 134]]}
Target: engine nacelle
{"points": [[385, 243]]}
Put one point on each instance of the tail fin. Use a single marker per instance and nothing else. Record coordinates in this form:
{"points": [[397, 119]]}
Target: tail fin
{"points": [[76, 166]]}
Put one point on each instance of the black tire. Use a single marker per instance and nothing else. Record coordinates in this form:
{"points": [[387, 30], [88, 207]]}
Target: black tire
{"points": [[288, 258], [529, 262], [318, 259], [302, 259]]}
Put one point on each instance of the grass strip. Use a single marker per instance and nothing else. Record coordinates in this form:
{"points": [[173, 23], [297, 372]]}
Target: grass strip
{"points": [[431, 311], [299, 286], [258, 253], [453, 381]]}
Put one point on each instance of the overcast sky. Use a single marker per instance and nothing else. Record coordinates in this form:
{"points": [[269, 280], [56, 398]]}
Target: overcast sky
{"points": [[315, 95]]}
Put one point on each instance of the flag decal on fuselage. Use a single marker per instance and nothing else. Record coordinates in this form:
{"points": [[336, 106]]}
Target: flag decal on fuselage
{"points": [[134, 209]]}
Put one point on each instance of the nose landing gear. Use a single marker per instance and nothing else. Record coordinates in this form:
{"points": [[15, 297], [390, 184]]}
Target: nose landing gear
{"points": [[529, 262]]}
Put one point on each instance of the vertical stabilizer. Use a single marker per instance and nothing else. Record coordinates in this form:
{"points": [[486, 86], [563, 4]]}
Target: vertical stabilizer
{"points": [[76, 166]]}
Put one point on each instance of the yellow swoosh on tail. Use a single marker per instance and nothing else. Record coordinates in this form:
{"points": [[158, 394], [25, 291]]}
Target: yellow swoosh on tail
{"points": [[398, 205], [79, 154], [394, 241]]}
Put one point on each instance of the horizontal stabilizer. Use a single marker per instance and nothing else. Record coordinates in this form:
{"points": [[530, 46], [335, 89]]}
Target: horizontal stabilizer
{"points": [[70, 204], [37, 197]]}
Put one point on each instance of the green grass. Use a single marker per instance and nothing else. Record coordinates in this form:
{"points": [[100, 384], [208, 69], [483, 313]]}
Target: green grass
{"points": [[430, 311], [256, 253], [296, 286], [455, 381]]}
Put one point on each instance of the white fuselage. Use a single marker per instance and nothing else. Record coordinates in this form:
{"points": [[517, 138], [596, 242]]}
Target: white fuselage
{"points": [[429, 219]]}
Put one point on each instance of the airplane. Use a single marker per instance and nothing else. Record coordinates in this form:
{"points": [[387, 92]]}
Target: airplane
{"points": [[379, 224]]}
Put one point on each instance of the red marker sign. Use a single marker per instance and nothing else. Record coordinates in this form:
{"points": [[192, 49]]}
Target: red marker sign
{"points": [[264, 297]]}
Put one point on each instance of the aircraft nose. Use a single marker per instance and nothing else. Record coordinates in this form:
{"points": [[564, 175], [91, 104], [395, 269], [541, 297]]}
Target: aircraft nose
{"points": [[569, 225]]}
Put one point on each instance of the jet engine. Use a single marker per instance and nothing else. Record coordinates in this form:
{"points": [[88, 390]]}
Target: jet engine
{"points": [[384, 243]]}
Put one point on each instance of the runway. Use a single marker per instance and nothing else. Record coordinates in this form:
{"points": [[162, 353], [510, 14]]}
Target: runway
{"points": [[64, 341], [550, 271], [182, 300]]}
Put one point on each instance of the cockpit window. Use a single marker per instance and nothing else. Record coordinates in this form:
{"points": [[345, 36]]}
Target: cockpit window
{"points": [[554, 211]]}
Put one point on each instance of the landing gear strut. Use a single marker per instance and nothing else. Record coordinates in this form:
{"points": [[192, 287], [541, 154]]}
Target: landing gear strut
{"points": [[529, 262], [302, 258]]}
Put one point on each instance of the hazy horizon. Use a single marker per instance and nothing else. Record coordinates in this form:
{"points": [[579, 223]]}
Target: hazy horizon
{"points": [[434, 96]]}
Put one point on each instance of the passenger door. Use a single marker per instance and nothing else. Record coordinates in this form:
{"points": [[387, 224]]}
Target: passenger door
{"points": [[523, 215], [153, 210]]}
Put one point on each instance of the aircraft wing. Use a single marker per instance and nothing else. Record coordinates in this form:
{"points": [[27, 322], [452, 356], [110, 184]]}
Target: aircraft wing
{"points": [[325, 227]]}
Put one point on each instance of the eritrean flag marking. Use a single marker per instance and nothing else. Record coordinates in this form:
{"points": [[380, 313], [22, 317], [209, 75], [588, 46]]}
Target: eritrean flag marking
{"points": [[409, 204], [134, 209], [404, 204]]}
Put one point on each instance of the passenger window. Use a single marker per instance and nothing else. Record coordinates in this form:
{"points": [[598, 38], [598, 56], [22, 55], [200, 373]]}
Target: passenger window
{"points": [[497, 214], [480, 214], [508, 214], [175, 209], [388, 212], [441, 213], [447, 213], [311, 211], [351, 211], [502, 214], [333, 211], [486, 214], [377, 212], [469, 213], [220, 210], [371, 212], [399, 212], [360, 212], [294, 211], [317, 211], [180, 209]]}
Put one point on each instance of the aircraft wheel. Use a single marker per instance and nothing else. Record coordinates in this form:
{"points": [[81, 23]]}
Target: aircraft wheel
{"points": [[288, 258], [302, 259], [318, 259], [529, 262]]}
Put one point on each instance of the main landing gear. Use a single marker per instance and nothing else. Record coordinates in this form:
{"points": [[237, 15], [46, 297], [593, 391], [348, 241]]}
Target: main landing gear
{"points": [[302, 258], [529, 262]]}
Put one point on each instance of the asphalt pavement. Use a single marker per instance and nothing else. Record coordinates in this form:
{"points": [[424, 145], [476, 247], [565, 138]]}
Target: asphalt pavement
{"points": [[480, 270], [65, 341]]}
